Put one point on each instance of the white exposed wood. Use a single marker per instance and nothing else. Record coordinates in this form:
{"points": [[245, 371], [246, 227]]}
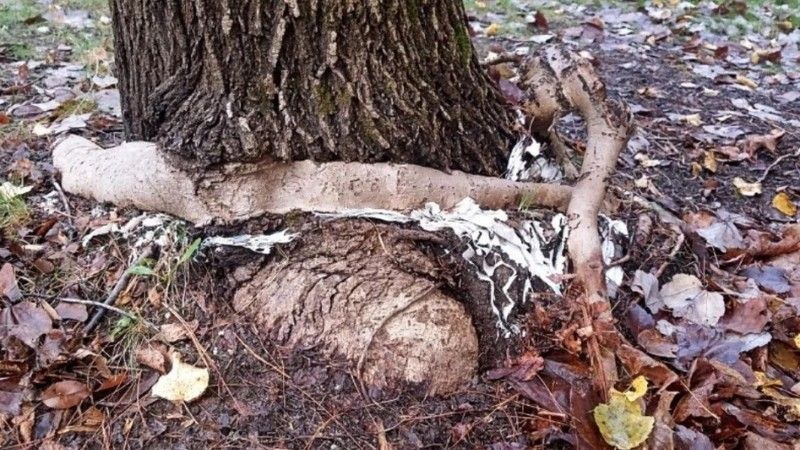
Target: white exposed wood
{"points": [[138, 174]]}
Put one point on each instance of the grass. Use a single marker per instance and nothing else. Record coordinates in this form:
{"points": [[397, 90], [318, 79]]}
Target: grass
{"points": [[76, 106], [13, 213]]}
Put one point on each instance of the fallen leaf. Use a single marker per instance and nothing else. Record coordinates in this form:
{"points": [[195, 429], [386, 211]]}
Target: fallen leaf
{"points": [[685, 296], [27, 322], [769, 278], [72, 311], [783, 203], [722, 235], [8, 283], [492, 29], [747, 189], [646, 284], [153, 355], [755, 142], [746, 82], [10, 401], [523, 368], [621, 421], [183, 383], [710, 162], [174, 332], [692, 119], [65, 394], [750, 316]]}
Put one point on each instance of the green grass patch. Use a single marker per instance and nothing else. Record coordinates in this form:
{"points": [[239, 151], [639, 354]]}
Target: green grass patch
{"points": [[13, 213]]}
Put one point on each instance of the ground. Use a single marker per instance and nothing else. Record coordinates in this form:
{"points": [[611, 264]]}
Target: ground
{"points": [[715, 89]]}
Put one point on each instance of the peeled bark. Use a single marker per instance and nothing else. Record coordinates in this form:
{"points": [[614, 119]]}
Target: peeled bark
{"points": [[218, 81]]}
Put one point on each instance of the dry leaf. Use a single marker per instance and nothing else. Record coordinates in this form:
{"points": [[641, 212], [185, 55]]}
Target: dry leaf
{"points": [[65, 394], [747, 189], [183, 383], [783, 203], [692, 119], [710, 162], [492, 29], [154, 356], [621, 421], [685, 296], [746, 82]]}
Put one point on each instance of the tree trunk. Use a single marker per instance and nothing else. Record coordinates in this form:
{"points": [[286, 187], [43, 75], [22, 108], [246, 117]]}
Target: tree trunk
{"points": [[219, 81]]}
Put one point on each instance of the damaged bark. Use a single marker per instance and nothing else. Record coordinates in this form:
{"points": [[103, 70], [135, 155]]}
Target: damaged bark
{"points": [[234, 80]]}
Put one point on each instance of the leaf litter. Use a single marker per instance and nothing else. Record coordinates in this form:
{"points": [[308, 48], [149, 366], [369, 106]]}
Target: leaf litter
{"points": [[721, 310]]}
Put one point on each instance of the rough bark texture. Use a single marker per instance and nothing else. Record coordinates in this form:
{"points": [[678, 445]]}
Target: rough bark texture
{"points": [[243, 80], [364, 291]]}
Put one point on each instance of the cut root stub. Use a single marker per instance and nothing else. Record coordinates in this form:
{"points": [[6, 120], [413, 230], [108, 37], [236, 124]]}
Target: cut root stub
{"points": [[347, 289]]}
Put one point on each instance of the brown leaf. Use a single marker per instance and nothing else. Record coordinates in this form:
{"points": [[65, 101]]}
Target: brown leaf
{"points": [[523, 368], [174, 332], [65, 394], [8, 283], [113, 381], [662, 436], [10, 400], [748, 317], [695, 403], [540, 21], [72, 311], [154, 355], [753, 143], [753, 441], [657, 344], [27, 322]]}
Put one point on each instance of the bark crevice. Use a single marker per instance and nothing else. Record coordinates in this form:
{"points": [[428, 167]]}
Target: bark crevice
{"points": [[248, 80]]}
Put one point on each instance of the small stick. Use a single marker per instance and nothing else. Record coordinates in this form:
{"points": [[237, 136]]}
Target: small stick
{"points": [[121, 284], [64, 200], [108, 307], [776, 162]]}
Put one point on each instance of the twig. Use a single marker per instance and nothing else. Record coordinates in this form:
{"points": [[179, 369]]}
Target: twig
{"points": [[121, 284], [64, 200], [776, 162], [108, 307], [500, 59]]}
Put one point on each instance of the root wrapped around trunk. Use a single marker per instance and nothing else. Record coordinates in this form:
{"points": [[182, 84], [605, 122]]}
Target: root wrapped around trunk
{"points": [[139, 174]]}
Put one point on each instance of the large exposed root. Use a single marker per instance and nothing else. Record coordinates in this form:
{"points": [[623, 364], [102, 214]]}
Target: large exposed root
{"points": [[559, 81], [138, 174]]}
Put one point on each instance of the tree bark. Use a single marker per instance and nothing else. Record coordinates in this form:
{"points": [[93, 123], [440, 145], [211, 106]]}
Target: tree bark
{"points": [[218, 81]]}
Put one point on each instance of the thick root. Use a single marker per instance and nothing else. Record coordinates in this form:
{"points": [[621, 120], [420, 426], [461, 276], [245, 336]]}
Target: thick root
{"points": [[560, 81], [138, 174], [344, 289]]}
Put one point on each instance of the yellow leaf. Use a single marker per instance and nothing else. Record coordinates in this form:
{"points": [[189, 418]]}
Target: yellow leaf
{"points": [[492, 29], [797, 340], [621, 421], [745, 188], [763, 380], [710, 162], [637, 390], [783, 203], [183, 383], [792, 403], [693, 119], [747, 82]]}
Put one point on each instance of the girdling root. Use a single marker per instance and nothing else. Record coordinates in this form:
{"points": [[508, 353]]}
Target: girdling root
{"points": [[557, 81]]}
